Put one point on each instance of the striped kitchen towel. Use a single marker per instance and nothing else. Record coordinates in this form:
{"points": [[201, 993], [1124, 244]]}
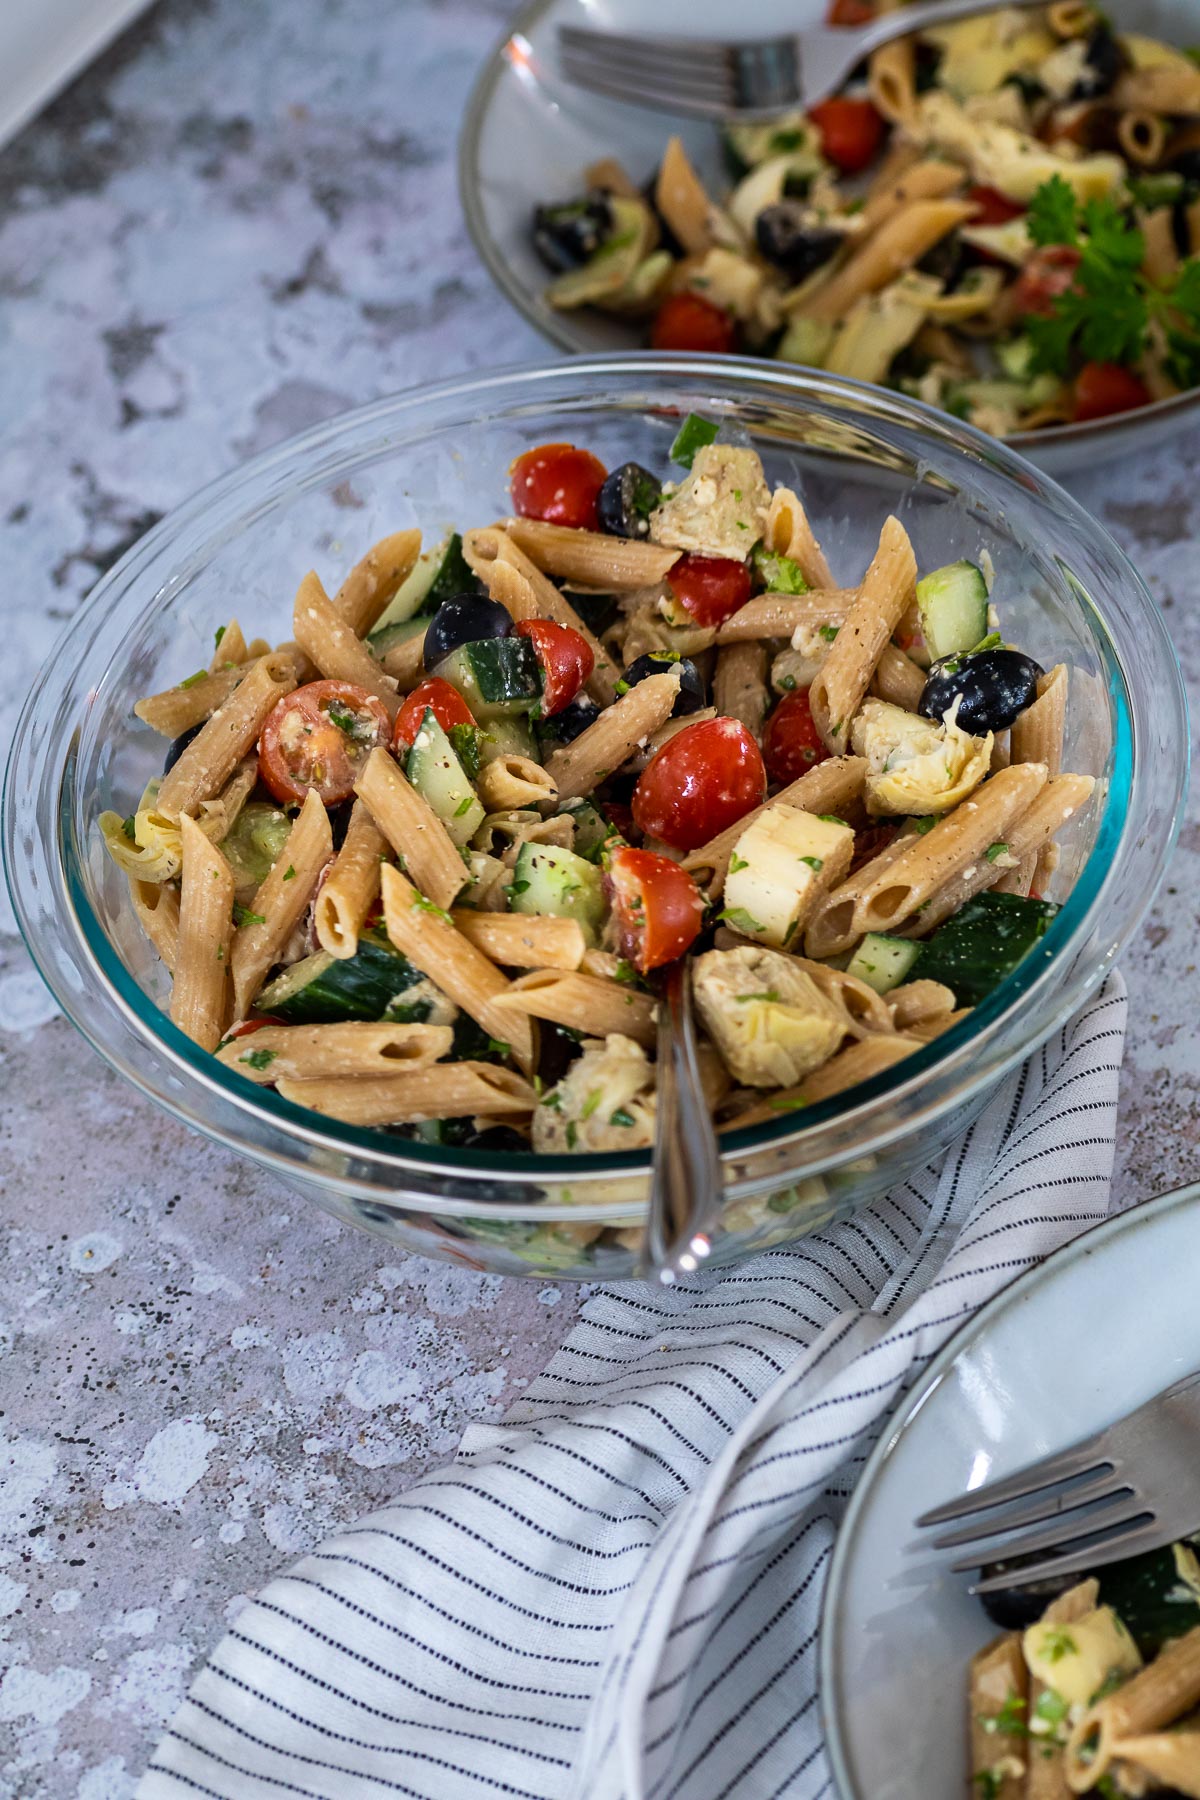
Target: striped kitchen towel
{"points": [[615, 1592]]}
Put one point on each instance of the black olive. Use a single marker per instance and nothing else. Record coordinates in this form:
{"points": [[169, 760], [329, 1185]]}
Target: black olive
{"points": [[993, 686], [786, 237], [666, 236], [496, 1137], [692, 695], [464, 620], [557, 1050], [180, 744], [565, 726], [1102, 63], [945, 260], [1028, 86], [1016, 1608], [566, 236], [625, 502], [1187, 163]]}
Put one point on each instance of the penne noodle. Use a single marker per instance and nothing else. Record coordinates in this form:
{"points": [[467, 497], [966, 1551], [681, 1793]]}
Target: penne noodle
{"points": [[584, 1003], [1161, 1693], [523, 940], [998, 1673], [1166, 87], [280, 902], [200, 992], [915, 1002], [857, 1062], [229, 648], [509, 781], [740, 685], [352, 885], [927, 1029], [411, 827], [898, 679], [1142, 137], [788, 533], [1057, 802], [329, 1052], [682, 200], [608, 743], [899, 242], [427, 936], [842, 682], [216, 818], [336, 648], [1161, 261], [865, 1011], [157, 909], [371, 583], [1071, 18], [592, 559], [1045, 1777], [214, 753], [891, 80], [444, 1090], [637, 762], [405, 662], [821, 928], [1037, 734], [928, 180], [833, 786], [779, 615], [180, 708], [602, 682], [502, 581]]}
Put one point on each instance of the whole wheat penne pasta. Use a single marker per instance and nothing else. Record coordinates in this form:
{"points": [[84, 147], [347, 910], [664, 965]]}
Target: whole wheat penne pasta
{"points": [[899, 242], [740, 685], [1011, 869], [1037, 733], [664, 734], [1161, 261], [865, 1011], [1167, 87], [200, 991], [843, 679], [230, 648], [788, 533], [682, 200], [217, 817], [779, 615], [997, 1673], [898, 679], [1071, 18], [1157, 1695], [280, 902], [514, 781], [405, 663], [523, 940], [602, 682], [826, 927], [592, 559], [1142, 136], [157, 909], [857, 1062], [428, 938], [190, 702], [1002, 752], [1045, 1776], [336, 648], [411, 827], [329, 1052], [833, 786], [214, 753], [925, 1030], [891, 80], [502, 581], [444, 1090], [1171, 1758], [610, 175], [927, 180], [612, 738], [913, 1002], [373, 581], [584, 1003], [352, 885]]}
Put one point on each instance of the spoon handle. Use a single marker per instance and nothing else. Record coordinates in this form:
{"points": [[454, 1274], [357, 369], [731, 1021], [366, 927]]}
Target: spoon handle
{"points": [[687, 1187]]}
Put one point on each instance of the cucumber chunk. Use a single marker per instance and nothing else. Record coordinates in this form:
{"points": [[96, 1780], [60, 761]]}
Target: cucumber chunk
{"points": [[507, 737], [325, 989], [953, 604], [560, 883], [435, 771], [438, 575], [883, 962], [497, 677], [252, 846], [984, 941], [594, 834]]}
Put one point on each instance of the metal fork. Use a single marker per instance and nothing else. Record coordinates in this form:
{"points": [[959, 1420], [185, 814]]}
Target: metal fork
{"points": [[1134, 1486], [687, 1188], [711, 80]]}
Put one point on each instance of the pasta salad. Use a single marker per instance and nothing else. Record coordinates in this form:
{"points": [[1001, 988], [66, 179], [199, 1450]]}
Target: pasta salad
{"points": [[1000, 216], [417, 867]]}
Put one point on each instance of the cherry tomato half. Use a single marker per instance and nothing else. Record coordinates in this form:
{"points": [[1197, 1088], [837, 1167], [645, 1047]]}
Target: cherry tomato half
{"points": [[566, 657], [704, 779], [849, 12], [1048, 273], [558, 483], [1105, 388], [319, 737], [851, 131], [445, 702], [659, 909], [689, 322], [791, 743], [711, 588], [993, 207]]}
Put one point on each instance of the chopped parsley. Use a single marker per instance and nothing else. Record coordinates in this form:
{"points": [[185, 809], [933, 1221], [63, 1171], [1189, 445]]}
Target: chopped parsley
{"points": [[344, 717], [289, 874], [499, 1047], [220, 953], [995, 851], [769, 994], [624, 971], [736, 863], [572, 1134], [921, 826], [243, 916], [816, 863], [259, 1059], [1050, 1708], [740, 919], [218, 634], [464, 741], [990, 1784], [200, 675], [591, 1103], [1057, 1643], [129, 827], [780, 574], [517, 887], [464, 805], [787, 1103], [620, 687], [553, 1100], [832, 819], [1009, 1721], [428, 906], [787, 683], [621, 1117], [828, 632]]}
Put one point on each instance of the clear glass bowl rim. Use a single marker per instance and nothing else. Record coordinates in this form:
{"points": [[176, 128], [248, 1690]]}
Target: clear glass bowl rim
{"points": [[944, 1075]]}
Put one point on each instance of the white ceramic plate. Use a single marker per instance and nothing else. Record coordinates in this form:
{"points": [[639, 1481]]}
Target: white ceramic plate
{"points": [[528, 135], [43, 45], [1090, 1334]]}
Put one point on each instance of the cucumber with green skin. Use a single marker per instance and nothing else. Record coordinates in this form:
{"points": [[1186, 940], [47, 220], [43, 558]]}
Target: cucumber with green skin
{"points": [[438, 775], [558, 883], [1151, 1597], [325, 989], [984, 941], [252, 845], [953, 607], [495, 676], [883, 962], [594, 834], [438, 575]]}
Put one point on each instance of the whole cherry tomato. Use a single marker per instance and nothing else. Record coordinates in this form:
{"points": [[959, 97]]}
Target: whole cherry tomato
{"points": [[704, 779], [1102, 389], [659, 909], [566, 658], [689, 322], [1048, 273], [711, 588], [445, 702], [558, 483], [319, 736], [851, 131], [791, 743], [993, 207]]}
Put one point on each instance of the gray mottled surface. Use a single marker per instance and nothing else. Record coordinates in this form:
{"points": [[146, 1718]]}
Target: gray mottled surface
{"points": [[241, 220]]}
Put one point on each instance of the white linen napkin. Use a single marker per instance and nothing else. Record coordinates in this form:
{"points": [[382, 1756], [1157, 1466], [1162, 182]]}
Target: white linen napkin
{"points": [[615, 1592]]}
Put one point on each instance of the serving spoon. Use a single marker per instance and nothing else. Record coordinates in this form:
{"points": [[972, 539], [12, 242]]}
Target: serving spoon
{"points": [[687, 1189]]}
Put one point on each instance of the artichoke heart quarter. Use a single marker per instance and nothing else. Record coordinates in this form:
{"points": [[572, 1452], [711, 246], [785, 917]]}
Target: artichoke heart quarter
{"points": [[765, 1014], [720, 509], [917, 766]]}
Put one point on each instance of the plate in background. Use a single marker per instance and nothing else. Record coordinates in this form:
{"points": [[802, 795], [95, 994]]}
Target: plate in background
{"points": [[1060, 1354], [43, 45], [528, 135]]}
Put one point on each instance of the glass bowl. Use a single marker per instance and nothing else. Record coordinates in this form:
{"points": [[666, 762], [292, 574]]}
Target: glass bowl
{"points": [[440, 456]]}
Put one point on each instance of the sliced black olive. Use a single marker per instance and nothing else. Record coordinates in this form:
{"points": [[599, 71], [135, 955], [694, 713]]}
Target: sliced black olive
{"points": [[180, 744], [496, 1137], [692, 694], [568, 235], [1103, 61], [992, 687], [564, 727], [1028, 86], [1016, 1608], [945, 260], [557, 1050], [786, 236], [464, 620], [625, 502]]}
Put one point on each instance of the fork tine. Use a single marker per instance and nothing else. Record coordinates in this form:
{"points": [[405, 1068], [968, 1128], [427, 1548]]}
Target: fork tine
{"points": [[1081, 1562], [635, 48], [640, 92], [1124, 1509], [672, 81], [1081, 1459], [1045, 1504]]}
